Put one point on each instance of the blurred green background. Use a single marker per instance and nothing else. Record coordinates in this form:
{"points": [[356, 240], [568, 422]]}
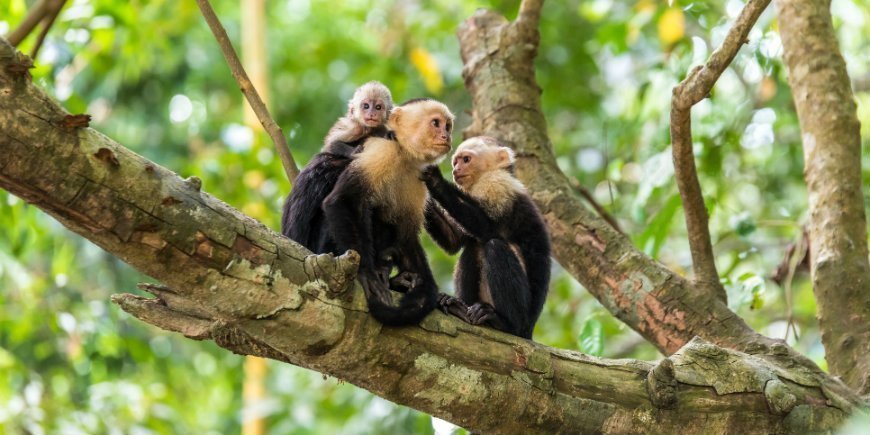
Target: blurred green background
{"points": [[152, 77]]}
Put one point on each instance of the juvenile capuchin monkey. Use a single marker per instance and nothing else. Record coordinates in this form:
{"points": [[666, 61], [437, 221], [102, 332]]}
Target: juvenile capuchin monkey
{"points": [[302, 219], [377, 208], [503, 272]]}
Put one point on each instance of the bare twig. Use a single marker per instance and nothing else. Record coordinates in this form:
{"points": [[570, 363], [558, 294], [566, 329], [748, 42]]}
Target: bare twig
{"points": [[587, 195], [248, 89], [34, 16], [54, 11], [689, 92]]}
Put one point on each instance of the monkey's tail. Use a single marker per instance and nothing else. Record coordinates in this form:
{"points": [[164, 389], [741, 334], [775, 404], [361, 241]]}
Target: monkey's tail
{"points": [[415, 305]]}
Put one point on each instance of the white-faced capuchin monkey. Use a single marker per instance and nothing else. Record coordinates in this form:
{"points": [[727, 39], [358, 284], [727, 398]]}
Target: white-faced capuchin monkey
{"points": [[503, 272], [302, 219], [366, 116], [377, 208]]}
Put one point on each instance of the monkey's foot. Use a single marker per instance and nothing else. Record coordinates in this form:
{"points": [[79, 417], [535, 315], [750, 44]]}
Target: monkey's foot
{"points": [[454, 306], [405, 281], [376, 285], [480, 313]]}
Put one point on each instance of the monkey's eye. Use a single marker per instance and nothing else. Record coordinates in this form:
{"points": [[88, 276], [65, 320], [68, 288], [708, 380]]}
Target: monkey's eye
{"points": [[466, 159], [379, 107], [366, 106], [449, 127], [436, 123]]}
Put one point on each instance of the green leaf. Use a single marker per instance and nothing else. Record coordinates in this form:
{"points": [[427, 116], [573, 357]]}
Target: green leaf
{"points": [[592, 338]]}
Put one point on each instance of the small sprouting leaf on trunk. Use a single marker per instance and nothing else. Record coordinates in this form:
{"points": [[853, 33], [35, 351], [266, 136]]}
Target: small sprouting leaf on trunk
{"points": [[592, 338]]}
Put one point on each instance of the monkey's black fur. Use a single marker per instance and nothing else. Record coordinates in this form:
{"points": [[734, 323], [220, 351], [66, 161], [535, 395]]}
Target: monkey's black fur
{"points": [[518, 281], [356, 223], [302, 219]]}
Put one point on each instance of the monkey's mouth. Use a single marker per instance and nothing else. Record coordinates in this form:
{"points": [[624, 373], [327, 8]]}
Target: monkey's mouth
{"points": [[459, 179], [371, 122]]}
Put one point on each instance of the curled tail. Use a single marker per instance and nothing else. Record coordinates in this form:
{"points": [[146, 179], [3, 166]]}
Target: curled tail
{"points": [[415, 305]]}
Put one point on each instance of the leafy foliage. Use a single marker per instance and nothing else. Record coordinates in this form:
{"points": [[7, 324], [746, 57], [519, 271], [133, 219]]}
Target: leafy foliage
{"points": [[153, 79]]}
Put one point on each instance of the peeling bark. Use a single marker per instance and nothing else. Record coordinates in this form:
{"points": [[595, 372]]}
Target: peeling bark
{"points": [[832, 158]]}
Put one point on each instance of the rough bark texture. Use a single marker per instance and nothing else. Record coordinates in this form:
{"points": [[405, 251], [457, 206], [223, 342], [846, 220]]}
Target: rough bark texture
{"points": [[229, 279], [832, 155], [688, 93], [654, 301]]}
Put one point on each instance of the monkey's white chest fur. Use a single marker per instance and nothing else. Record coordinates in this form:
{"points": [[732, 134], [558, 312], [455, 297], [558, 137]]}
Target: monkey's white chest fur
{"points": [[496, 191], [395, 181]]}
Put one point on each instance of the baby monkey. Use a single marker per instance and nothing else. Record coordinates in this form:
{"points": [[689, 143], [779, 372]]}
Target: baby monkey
{"points": [[503, 273], [366, 116], [302, 219]]}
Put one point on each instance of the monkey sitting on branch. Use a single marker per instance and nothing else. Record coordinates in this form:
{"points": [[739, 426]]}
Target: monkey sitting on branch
{"points": [[302, 219], [503, 273], [378, 205]]}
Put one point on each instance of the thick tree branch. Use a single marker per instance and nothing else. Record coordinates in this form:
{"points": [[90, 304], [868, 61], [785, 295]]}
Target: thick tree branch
{"points": [[654, 301], [688, 93], [229, 279], [832, 158], [257, 104]]}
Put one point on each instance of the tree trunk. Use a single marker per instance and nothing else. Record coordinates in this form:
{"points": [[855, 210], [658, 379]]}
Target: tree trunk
{"points": [[232, 280], [832, 158]]}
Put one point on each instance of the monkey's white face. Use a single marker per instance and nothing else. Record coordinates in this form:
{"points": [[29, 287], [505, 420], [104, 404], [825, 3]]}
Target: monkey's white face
{"points": [[477, 156], [424, 128], [371, 112]]}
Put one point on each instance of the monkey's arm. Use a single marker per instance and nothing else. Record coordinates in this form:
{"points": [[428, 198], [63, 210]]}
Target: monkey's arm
{"points": [[350, 223], [444, 232], [461, 207], [509, 288], [302, 217], [344, 130], [531, 236]]}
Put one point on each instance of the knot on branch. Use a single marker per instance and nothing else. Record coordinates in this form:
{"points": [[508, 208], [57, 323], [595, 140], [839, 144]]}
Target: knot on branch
{"points": [[780, 400], [338, 273], [661, 384]]}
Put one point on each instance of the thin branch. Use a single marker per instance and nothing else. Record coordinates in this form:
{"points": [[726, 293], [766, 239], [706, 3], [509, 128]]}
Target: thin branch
{"points": [[248, 89], [587, 195], [689, 92], [530, 12], [46, 26], [34, 16]]}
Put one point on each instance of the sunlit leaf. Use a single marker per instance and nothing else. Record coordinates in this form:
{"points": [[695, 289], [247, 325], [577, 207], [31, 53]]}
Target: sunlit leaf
{"points": [[671, 26], [592, 337], [428, 69]]}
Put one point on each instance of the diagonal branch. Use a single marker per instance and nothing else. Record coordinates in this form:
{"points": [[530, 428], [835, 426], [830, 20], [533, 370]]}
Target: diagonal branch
{"points": [[229, 279], [36, 13], [659, 304], [248, 90], [832, 169], [530, 13], [54, 11], [688, 93]]}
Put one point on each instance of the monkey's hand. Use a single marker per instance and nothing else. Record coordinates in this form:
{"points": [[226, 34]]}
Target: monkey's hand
{"points": [[431, 175], [405, 281], [452, 305], [376, 285], [481, 313]]}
